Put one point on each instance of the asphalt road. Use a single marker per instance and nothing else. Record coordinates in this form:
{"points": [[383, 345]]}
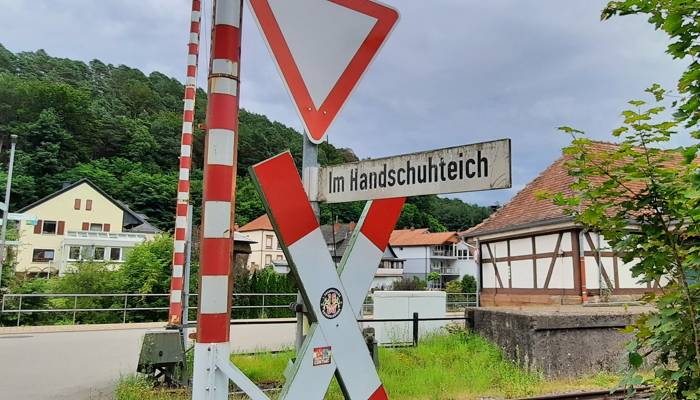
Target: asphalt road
{"points": [[83, 365]]}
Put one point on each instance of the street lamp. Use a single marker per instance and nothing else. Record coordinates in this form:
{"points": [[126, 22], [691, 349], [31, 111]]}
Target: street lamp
{"points": [[8, 187]]}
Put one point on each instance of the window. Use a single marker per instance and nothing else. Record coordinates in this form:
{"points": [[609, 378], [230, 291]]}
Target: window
{"points": [[74, 253], [95, 227], [268, 259], [88, 205], [115, 254], [76, 204], [99, 253], [49, 228], [463, 254], [280, 257], [125, 252], [42, 255], [268, 241]]}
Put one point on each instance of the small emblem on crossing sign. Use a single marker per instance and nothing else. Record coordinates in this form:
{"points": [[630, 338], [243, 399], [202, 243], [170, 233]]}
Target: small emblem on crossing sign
{"points": [[322, 356], [331, 303]]}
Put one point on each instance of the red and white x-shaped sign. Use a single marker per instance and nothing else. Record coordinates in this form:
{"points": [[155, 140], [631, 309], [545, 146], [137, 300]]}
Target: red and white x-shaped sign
{"points": [[334, 342]]}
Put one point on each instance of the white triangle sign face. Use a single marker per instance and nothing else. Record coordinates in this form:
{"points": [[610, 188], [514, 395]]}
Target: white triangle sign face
{"points": [[322, 48]]}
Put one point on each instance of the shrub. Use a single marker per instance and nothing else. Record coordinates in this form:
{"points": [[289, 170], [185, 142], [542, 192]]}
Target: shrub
{"points": [[414, 283], [468, 284]]}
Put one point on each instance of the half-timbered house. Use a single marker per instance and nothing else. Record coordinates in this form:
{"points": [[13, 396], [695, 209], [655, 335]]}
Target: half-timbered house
{"points": [[531, 252]]}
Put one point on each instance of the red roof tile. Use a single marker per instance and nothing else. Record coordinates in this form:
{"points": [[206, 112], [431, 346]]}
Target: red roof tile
{"points": [[526, 209], [262, 223], [421, 237]]}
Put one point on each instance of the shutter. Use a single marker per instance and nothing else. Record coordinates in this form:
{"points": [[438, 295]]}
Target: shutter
{"points": [[61, 227], [88, 205], [105, 227], [86, 226], [37, 227], [76, 204]]}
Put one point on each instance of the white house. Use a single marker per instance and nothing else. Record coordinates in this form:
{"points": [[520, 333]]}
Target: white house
{"points": [[425, 252], [531, 252]]}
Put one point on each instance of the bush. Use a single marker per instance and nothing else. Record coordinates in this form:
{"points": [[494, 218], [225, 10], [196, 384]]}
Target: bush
{"points": [[468, 284], [414, 283], [454, 287]]}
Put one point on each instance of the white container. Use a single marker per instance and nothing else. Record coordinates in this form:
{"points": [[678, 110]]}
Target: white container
{"points": [[402, 305]]}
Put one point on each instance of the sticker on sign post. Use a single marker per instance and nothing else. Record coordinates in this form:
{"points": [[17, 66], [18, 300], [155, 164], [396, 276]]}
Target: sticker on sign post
{"points": [[322, 356]]}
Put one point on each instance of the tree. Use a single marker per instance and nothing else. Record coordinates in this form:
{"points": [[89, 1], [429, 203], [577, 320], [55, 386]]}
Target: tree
{"points": [[646, 203], [148, 267]]}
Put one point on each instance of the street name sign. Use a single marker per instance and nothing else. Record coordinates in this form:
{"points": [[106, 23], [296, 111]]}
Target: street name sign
{"points": [[322, 48], [468, 168]]}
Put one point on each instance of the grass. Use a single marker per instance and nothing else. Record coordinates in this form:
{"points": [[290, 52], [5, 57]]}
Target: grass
{"points": [[455, 366]]}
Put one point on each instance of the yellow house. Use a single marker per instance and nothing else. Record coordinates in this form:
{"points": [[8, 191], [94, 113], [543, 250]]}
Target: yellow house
{"points": [[77, 223], [266, 250]]}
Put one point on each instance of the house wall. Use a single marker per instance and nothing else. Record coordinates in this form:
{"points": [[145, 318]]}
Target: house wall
{"points": [[545, 269], [259, 250], [417, 260], [61, 208]]}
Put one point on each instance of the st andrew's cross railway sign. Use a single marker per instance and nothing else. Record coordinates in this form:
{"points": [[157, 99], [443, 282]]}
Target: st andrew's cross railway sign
{"points": [[468, 168], [322, 48], [334, 342]]}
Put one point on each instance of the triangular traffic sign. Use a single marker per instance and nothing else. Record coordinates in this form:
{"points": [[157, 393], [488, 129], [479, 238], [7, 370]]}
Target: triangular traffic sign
{"points": [[322, 48]]}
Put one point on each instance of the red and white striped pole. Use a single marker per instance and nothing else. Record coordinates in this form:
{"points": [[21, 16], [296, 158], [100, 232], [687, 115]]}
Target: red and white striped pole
{"points": [[177, 312], [220, 156]]}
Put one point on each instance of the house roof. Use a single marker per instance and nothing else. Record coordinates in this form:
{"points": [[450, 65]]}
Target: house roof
{"points": [[338, 236], [130, 217], [526, 210], [262, 223], [421, 237], [146, 227]]}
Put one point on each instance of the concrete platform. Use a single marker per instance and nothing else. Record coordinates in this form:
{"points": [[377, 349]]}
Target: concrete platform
{"points": [[565, 341]]}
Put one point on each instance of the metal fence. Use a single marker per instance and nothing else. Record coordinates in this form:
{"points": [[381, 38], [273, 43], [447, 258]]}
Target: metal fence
{"points": [[137, 307]]}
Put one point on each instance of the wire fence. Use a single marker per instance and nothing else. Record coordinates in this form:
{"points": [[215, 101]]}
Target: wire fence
{"points": [[72, 309]]}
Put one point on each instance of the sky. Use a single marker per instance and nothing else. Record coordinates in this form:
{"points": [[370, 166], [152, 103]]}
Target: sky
{"points": [[453, 72]]}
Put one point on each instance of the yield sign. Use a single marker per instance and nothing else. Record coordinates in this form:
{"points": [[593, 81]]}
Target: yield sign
{"points": [[322, 48]]}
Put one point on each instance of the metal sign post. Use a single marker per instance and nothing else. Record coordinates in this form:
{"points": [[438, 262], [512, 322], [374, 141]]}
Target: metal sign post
{"points": [[309, 173], [186, 276]]}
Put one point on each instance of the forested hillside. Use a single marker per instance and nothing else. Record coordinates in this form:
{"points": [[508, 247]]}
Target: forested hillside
{"points": [[121, 129]]}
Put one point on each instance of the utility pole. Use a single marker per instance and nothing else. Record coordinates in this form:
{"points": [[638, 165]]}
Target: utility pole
{"points": [[8, 188]]}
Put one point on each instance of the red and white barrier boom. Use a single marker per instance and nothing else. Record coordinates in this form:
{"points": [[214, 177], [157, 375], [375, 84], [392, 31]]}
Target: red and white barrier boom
{"points": [[178, 312], [334, 342]]}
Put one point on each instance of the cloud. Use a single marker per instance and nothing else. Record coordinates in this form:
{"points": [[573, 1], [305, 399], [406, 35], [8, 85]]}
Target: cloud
{"points": [[453, 72]]}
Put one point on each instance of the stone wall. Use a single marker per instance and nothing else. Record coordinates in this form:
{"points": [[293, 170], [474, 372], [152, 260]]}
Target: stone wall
{"points": [[558, 343]]}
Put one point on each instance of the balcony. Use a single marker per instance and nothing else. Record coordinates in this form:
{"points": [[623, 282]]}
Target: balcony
{"points": [[444, 252], [445, 270]]}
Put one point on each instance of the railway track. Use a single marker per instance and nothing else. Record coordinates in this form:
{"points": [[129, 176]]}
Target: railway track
{"points": [[619, 394]]}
